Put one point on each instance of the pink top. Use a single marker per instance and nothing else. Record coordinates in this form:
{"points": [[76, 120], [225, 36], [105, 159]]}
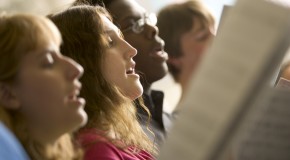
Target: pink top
{"points": [[98, 147]]}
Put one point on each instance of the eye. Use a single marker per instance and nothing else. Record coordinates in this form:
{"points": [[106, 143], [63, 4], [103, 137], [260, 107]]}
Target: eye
{"points": [[111, 43], [202, 36], [48, 61]]}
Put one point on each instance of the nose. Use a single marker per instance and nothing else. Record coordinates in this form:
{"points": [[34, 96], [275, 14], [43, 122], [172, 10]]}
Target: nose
{"points": [[131, 51], [73, 69], [151, 31]]}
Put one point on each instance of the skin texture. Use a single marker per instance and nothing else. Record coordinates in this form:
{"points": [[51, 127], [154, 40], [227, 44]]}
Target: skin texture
{"points": [[46, 92], [286, 72], [119, 65], [151, 59], [193, 45]]}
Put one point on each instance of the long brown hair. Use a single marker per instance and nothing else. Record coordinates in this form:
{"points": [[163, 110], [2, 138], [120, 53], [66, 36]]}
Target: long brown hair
{"points": [[107, 108], [20, 34]]}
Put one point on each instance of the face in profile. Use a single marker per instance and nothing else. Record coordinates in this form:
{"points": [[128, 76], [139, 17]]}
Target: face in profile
{"points": [[119, 66], [47, 88], [193, 44], [140, 31]]}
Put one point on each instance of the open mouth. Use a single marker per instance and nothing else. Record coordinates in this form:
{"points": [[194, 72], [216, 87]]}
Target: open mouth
{"points": [[159, 54], [74, 95], [130, 71]]}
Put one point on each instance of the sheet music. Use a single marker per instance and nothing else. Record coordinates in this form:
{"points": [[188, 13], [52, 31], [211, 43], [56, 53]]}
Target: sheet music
{"points": [[225, 10], [266, 133], [240, 62]]}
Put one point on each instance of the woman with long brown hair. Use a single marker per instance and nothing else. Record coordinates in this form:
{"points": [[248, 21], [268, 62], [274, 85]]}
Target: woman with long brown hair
{"points": [[110, 84]]}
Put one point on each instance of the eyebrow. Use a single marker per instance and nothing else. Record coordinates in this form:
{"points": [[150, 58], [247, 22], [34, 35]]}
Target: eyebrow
{"points": [[201, 28], [45, 52], [112, 31], [129, 17]]}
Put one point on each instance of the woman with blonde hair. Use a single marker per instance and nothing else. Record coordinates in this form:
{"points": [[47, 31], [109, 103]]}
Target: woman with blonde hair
{"points": [[110, 84], [39, 88]]}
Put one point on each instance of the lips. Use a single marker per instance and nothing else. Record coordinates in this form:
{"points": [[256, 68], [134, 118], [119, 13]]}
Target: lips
{"points": [[73, 96], [159, 54], [130, 71]]}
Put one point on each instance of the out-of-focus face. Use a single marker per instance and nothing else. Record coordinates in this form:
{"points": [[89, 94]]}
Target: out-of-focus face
{"points": [[151, 58], [119, 67], [193, 44], [286, 73], [47, 87]]}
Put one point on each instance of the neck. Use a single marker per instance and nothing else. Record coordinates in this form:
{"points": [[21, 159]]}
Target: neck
{"points": [[43, 137], [146, 86], [146, 89]]}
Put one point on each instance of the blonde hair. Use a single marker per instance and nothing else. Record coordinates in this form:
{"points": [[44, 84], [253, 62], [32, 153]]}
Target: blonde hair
{"points": [[20, 34], [108, 110]]}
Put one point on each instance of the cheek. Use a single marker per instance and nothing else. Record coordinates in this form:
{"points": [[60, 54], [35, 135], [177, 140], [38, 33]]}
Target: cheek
{"points": [[112, 73], [193, 48], [42, 100], [114, 69]]}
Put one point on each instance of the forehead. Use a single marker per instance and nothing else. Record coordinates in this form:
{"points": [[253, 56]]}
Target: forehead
{"points": [[122, 9], [44, 33], [109, 26]]}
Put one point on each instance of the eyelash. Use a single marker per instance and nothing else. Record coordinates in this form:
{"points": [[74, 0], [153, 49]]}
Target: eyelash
{"points": [[202, 37], [110, 42], [49, 61]]}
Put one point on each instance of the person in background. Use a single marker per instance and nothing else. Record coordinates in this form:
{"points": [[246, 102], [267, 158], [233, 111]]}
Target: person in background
{"points": [[140, 31], [187, 29], [110, 85], [39, 88], [284, 70]]}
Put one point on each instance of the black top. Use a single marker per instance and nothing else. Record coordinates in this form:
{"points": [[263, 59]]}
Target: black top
{"points": [[160, 121]]}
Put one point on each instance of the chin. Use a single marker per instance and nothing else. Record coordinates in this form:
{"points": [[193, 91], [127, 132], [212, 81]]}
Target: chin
{"points": [[81, 120], [84, 118], [137, 92]]}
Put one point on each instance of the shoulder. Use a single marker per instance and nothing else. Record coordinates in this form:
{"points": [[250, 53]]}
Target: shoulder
{"points": [[97, 146], [10, 148], [102, 150]]}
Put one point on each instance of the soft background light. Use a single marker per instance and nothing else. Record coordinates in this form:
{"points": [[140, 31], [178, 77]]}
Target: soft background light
{"points": [[44, 7]]}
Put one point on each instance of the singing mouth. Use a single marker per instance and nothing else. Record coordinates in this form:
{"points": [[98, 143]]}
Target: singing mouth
{"points": [[158, 52], [74, 95], [130, 71]]}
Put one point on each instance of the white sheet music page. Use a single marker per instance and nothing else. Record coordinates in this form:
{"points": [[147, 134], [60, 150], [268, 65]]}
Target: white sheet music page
{"points": [[251, 43], [265, 135]]}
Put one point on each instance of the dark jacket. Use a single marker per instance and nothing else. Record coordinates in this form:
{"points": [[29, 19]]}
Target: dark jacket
{"points": [[160, 120]]}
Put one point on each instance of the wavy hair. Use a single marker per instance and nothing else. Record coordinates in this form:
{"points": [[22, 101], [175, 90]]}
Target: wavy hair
{"points": [[107, 108], [20, 34]]}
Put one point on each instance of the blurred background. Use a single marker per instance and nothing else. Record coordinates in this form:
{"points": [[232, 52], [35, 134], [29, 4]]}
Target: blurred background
{"points": [[44, 7], [47, 6]]}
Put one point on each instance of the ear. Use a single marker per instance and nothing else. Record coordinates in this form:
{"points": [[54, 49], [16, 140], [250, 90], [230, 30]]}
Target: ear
{"points": [[8, 97], [176, 62]]}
